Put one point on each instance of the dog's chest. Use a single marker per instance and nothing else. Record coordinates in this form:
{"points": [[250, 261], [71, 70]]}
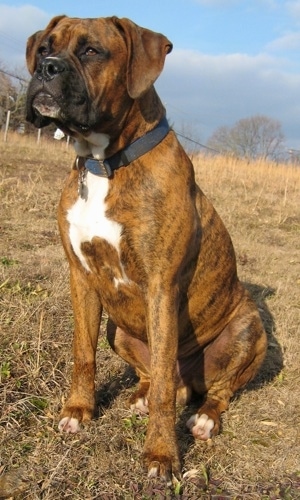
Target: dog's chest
{"points": [[87, 218]]}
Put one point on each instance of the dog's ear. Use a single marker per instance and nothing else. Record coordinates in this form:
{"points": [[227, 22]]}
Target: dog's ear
{"points": [[146, 55], [34, 41]]}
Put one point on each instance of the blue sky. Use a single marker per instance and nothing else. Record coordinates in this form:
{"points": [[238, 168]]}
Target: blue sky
{"points": [[232, 59]]}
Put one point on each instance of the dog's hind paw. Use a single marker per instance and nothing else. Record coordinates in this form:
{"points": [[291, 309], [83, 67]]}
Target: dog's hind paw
{"points": [[140, 406], [201, 426], [69, 425]]}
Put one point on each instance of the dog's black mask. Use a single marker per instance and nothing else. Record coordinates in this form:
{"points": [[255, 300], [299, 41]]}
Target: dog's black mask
{"points": [[57, 93]]}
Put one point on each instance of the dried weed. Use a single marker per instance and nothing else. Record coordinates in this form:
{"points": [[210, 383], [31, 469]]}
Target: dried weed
{"points": [[256, 456]]}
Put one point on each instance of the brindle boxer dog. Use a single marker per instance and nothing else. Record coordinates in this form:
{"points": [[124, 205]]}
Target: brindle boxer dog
{"points": [[142, 240]]}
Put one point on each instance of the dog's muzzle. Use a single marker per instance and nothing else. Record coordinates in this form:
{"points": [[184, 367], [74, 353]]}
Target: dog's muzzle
{"points": [[58, 93]]}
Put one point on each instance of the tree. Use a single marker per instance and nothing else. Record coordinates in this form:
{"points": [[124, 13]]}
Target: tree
{"points": [[12, 97], [254, 137], [5, 87]]}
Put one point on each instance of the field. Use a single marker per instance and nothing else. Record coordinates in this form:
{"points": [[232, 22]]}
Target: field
{"points": [[257, 453]]}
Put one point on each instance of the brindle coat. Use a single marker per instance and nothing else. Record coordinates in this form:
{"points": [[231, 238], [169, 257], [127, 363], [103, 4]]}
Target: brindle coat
{"points": [[178, 313]]}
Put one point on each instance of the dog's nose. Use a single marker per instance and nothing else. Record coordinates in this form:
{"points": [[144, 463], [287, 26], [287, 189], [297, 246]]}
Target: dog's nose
{"points": [[49, 68]]}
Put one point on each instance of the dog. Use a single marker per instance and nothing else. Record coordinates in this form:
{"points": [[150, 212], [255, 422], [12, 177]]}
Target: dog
{"points": [[142, 241]]}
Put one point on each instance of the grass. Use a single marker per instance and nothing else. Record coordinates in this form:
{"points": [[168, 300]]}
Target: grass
{"points": [[256, 456]]}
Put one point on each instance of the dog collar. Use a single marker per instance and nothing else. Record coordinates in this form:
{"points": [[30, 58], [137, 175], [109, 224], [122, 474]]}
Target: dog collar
{"points": [[105, 168]]}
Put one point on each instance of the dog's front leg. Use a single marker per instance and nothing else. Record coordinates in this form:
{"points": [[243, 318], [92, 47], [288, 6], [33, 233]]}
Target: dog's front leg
{"points": [[161, 451], [87, 315]]}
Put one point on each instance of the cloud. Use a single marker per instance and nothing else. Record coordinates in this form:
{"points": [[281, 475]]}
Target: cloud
{"points": [[289, 41], [211, 91], [293, 7], [16, 24]]}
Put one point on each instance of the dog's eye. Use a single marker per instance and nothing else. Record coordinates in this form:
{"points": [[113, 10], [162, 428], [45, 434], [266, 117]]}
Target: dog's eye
{"points": [[88, 51], [91, 52], [43, 51]]}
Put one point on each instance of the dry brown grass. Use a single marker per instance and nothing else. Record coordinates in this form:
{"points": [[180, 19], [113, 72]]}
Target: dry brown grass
{"points": [[256, 456]]}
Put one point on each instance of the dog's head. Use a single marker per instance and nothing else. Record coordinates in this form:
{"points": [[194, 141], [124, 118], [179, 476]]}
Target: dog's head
{"points": [[87, 72]]}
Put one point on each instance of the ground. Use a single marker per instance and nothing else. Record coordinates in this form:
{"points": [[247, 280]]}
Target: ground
{"points": [[256, 455]]}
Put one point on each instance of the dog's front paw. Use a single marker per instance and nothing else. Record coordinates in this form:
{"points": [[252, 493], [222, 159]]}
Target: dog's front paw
{"points": [[71, 417], [161, 454], [69, 425], [162, 466], [201, 426]]}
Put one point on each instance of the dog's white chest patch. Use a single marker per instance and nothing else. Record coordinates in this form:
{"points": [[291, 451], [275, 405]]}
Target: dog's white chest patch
{"points": [[87, 218]]}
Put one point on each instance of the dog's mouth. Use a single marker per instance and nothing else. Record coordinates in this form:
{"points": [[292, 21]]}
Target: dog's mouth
{"points": [[46, 105]]}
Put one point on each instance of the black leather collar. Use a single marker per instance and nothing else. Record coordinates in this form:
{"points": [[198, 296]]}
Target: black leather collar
{"points": [[105, 168]]}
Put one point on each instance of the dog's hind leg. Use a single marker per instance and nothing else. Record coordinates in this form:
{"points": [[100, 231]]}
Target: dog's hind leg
{"points": [[136, 353], [230, 362]]}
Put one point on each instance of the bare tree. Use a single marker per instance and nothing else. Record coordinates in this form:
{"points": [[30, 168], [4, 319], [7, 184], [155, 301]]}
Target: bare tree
{"points": [[12, 97], [5, 87], [254, 137]]}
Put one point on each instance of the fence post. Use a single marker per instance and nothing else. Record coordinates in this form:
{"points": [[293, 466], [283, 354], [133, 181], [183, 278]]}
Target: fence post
{"points": [[6, 125]]}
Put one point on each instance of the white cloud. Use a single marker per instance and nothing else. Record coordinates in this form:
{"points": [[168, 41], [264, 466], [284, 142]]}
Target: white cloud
{"points": [[211, 91], [287, 42], [293, 8], [16, 25]]}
